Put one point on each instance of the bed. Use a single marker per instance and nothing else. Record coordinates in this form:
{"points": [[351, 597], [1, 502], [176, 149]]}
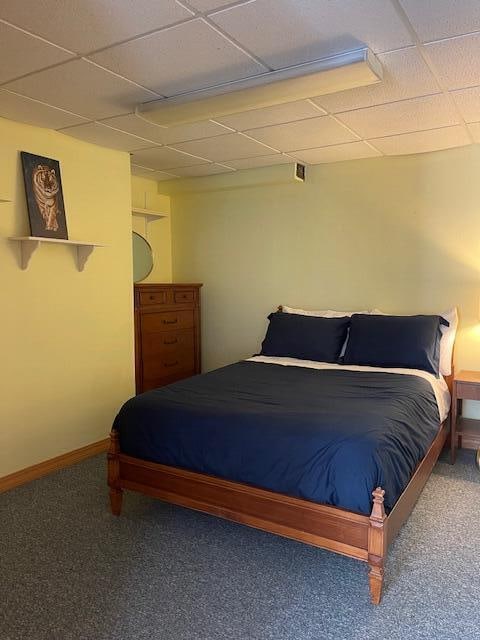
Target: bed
{"points": [[333, 455]]}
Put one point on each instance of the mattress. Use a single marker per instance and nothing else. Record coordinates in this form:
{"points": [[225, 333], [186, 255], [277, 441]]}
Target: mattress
{"points": [[324, 433]]}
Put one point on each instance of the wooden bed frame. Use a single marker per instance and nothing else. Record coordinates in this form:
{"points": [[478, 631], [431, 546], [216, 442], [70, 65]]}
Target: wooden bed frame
{"points": [[352, 534]]}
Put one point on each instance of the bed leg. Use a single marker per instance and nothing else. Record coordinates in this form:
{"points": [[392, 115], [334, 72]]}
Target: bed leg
{"points": [[377, 546], [116, 493]]}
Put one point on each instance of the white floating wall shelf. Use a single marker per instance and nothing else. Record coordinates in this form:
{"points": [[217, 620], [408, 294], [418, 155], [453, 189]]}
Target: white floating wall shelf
{"points": [[29, 244], [148, 214]]}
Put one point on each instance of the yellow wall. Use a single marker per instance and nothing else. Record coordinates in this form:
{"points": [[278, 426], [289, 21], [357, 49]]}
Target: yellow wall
{"points": [[401, 234], [145, 195], [66, 339]]}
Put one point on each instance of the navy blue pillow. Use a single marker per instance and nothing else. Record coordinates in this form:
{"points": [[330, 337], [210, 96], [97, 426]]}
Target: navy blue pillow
{"points": [[306, 337], [411, 342]]}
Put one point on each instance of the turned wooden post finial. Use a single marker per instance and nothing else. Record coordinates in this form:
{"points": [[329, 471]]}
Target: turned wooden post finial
{"points": [[378, 510], [377, 545]]}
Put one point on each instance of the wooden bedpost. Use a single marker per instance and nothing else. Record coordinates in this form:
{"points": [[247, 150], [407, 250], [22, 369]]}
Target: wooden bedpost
{"points": [[377, 543], [116, 493]]}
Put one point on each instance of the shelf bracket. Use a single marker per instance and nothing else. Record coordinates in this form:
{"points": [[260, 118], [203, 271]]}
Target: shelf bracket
{"points": [[27, 249], [83, 253]]}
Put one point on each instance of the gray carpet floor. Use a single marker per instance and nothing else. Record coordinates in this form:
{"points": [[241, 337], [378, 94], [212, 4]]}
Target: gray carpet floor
{"points": [[70, 570]]}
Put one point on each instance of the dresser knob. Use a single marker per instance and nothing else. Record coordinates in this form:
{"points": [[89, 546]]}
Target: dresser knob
{"points": [[170, 321], [171, 364], [170, 341]]}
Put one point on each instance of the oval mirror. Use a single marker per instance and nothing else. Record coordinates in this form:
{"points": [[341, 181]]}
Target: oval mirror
{"points": [[142, 257]]}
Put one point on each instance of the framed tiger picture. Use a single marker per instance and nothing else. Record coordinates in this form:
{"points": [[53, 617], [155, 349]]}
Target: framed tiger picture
{"points": [[43, 187]]}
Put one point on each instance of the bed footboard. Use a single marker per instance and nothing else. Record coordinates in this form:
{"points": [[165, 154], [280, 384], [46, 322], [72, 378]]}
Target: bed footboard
{"points": [[352, 534], [345, 532]]}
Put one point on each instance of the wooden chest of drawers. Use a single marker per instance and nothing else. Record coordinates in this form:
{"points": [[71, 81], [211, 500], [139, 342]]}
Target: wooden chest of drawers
{"points": [[167, 333]]}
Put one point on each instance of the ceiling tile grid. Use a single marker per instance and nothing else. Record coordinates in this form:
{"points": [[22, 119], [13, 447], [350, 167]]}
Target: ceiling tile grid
{"points": [[337, 153], [429, 112], [86, 26], [405, 75], [165, 158], [474, 129], [137, 126], [303, 134], [422, 141], [184, 58], [85, 68], [457, 60], [83, 88], [278, 114], [21, 53], [468, 103], [17, 107], [261, 161], [437, 19], [232, 146], [98, 133], [202, 170], [287, 32]]}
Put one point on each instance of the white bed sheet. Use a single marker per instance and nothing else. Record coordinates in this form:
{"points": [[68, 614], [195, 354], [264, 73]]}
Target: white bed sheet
{"points": [[439, 386]]}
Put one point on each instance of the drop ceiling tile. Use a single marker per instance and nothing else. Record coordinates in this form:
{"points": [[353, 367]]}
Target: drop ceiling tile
{"points": [[223, 148], [164, 159], [261, 161], [436, 19], [286, 32], [139, 127], [474, 129], [468, 101], [143, 172], [16, 107], [85, 26], [25, 53], [303, 134], [423, 141], [337, 153], [187, 57], [100, 134], [405, 75], [83, 88], [209, 5], [418, 114], [202, 170], [160, 176], [271, 115], [457, 61]]}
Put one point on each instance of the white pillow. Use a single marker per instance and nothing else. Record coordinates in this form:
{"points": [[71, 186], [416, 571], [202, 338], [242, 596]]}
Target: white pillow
{"points": [[447, 340], [327, 313]]}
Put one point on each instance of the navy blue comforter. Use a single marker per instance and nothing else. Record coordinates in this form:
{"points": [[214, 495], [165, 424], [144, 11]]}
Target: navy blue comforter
{"points": [[327, 436]]}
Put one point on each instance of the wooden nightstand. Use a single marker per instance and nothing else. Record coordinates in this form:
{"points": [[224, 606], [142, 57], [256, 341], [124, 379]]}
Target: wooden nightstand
{"points": [[465, 431]]}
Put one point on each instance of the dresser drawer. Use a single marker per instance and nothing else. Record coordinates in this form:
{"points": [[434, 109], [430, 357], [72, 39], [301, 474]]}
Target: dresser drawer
{"points": [[154, 297], [162, 380], [167, 320], [168, 343], [467, 391], [183, 295], [155, 369]]}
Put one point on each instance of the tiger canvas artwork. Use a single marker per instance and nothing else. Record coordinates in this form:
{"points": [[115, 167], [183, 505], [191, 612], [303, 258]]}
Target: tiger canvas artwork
{"points": [[44, 196]]}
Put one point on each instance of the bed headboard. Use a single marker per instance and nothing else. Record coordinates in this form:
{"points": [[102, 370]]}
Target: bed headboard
{"points": [[449, 379]]}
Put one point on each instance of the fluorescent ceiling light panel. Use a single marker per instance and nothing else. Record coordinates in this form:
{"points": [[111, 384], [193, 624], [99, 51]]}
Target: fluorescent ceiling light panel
{"points": [[344, 71]]}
